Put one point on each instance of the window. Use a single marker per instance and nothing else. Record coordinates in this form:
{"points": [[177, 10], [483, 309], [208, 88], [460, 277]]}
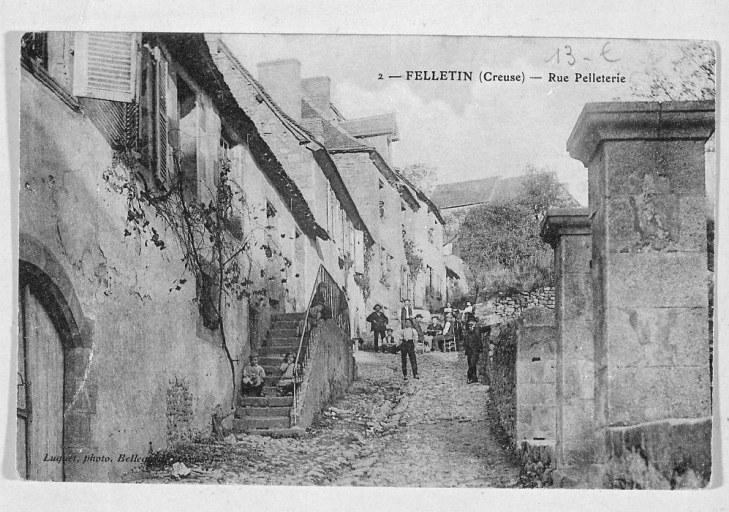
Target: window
{"points": [[153, 119], [105, 65], [186, 139], [207, 296]]}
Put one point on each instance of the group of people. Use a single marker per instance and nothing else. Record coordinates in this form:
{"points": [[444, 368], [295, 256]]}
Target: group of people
{"points": [[254, 377], [437, 336], [405, 343]]}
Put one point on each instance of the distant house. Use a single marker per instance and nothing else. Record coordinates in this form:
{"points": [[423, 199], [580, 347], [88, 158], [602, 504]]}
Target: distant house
{"points": [[454, 197]]}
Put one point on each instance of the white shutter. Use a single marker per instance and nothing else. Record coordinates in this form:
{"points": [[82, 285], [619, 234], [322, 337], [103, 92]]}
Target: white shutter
{"points": [[105, 65], [161, 122]]}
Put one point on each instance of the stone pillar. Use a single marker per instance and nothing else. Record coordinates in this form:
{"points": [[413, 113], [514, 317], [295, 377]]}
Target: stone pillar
{"points": [[648, 211], [567, 230], [535, 377]]}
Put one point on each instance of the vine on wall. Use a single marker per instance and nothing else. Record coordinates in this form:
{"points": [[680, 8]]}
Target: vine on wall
{"points": [[206, 223], [413, 258]]}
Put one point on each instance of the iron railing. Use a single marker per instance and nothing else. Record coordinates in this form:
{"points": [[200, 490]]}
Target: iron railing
{"points": [[338, 308]]}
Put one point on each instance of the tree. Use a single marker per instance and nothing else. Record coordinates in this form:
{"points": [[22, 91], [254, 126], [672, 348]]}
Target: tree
{"points": [[500, 242], [689, 76], [423, 176], [542, 190]]}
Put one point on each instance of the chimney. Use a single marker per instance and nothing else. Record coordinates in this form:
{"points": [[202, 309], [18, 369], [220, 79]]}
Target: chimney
{"points": [[282, 81], [316, 90]]}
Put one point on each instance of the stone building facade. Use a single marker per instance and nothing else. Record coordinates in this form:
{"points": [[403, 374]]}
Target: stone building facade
{"points": [[118, 352], [117, 355]]}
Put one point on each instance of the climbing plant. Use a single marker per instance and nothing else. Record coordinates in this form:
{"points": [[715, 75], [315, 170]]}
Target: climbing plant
{"points": [[413, 258], [206, 223], [363, 280]]}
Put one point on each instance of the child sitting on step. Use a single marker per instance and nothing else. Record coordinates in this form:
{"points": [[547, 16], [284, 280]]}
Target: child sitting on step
{"points": [[286, 382], [253, 375]]}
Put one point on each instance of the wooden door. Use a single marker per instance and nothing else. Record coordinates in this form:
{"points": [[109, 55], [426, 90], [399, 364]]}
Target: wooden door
{"points": [[40, 391]]}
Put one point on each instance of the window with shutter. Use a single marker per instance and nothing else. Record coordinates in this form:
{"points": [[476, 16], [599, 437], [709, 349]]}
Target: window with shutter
{"points": [[187, 137], [105, 65], [160, 97]]}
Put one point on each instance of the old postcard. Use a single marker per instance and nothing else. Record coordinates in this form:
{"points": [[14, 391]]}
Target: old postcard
{"points": [[335, 260]]}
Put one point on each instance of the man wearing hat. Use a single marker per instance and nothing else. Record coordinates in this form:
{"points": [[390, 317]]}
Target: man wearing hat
{"points": [[406, 317], [378, 321], [473, 350]]}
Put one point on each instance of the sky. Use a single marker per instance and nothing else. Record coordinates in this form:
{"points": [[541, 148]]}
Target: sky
{"points": [[469, 130]]}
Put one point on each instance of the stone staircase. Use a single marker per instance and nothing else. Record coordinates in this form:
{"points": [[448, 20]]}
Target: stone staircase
{"points": [[271, 414]]}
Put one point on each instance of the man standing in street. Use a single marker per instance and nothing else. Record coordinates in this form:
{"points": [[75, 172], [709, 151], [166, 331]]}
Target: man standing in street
{"points": [[378, 320], [473, 350], [406, 316], [407, 349]]}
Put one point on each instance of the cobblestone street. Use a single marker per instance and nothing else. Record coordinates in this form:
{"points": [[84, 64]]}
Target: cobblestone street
{"points": [[430, 432]]}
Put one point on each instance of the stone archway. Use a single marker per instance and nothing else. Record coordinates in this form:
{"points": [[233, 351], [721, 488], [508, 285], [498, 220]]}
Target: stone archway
{"points": [[55, 394]]}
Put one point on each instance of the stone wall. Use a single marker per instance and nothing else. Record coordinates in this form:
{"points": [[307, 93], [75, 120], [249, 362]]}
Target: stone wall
{"points": [[135, 333], [331, 369], [501, 371], [511, 306], [179, 412], [536, 376], [521, 370], [659, 455]]}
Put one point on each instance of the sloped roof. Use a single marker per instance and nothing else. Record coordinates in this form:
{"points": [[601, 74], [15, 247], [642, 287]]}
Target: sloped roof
{"points": [[383, 124], [485, 190], [192, 52], [333, 137], [322, 156], [421, 195]]}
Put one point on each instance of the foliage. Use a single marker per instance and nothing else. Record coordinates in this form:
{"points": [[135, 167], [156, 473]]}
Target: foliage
{"points": [[423, 176], [689, 76], [414, 260], [542, 190], [500, 243]]}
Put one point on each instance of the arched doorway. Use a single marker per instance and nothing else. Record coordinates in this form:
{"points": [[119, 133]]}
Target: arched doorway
{"points": [[57, 392], [40, 448]]}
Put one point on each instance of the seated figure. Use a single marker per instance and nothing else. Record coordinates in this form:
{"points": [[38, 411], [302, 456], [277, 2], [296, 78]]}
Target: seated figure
{"points": [[286, 382], [253, 375]]}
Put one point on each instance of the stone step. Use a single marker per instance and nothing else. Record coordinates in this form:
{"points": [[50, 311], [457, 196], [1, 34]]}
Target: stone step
{"points": [[278, 353], [278, 432], [266, 401], [250, 423], [261, 412], [271, 362], [288, 317], [282, 342], [285, 324], [271, 380], [272, 369], [283, 332]]}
